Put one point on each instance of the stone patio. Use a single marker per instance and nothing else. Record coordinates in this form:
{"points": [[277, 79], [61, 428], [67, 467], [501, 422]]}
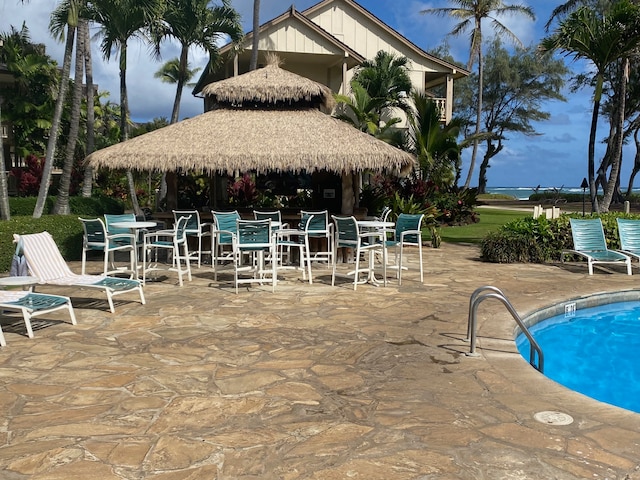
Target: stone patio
{"points": [[309, 382]]}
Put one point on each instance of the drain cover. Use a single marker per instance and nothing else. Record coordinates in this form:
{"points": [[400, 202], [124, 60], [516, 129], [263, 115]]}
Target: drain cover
{"points": [[553, 418]]}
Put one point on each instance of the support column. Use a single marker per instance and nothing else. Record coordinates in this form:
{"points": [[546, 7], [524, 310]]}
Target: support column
{"points": [[448, 105]]}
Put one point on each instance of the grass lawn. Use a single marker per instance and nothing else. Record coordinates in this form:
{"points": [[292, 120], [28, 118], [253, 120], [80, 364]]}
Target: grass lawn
{"points": [[490, 219]]}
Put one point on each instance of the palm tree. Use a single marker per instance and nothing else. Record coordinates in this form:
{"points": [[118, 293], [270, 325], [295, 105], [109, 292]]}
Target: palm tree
{"points": [[256, 36], [471, 13], [386, 80], [83, 29], [119, 21], [435, 146], [195, 23], [5, 213], [71, 8], [602, 38], [59, 19]]}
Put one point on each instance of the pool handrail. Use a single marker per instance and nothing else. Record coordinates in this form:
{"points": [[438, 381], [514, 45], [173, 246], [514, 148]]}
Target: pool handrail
{"points": [[479, 296]]}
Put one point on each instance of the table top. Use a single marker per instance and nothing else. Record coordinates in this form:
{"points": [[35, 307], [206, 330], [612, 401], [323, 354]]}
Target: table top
{"points": [[22, 280], [375, 224], [136, 224]]}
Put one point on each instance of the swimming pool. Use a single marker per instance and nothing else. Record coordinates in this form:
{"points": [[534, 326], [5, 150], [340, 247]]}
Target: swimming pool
{"points": [[593, 351]]}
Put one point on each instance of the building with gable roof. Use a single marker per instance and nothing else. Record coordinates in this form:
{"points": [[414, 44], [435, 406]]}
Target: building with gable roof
{"points": [[327, 41]]}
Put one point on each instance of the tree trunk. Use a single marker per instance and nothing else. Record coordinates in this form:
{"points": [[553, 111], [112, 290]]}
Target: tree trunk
{"points": [[492, 151], [124, 124], [593, 192], [182, 74], [5, 211], [256, 37], [348, 197], [474, 152], [55, 124], [616, 160], [636, 164], [61, 206], [83, 29]]}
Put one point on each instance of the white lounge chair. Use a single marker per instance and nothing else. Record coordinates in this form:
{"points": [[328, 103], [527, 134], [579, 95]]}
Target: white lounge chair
{"points": [[31, 305], [46, 263]]}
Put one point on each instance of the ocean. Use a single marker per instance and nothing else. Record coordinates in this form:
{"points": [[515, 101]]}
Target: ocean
{"points": [[522, 193]]}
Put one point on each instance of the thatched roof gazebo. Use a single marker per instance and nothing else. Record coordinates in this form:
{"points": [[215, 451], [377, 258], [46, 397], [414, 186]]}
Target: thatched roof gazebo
{"points": [[265, 120]]}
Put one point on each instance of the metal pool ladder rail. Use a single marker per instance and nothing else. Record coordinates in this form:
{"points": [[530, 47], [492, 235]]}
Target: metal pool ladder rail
{"points": [[485, 292]]}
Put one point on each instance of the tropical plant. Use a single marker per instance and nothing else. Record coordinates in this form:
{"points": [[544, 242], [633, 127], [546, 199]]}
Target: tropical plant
{"points": [[70, 10], [471, 14], [28, 102], [602, 37], [434, 145], [360, 110], [196, 23], [62, 17], [119, 21], [386, 80]]}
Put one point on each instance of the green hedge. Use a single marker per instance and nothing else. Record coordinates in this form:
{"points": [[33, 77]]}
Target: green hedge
{"points": [[540, 240], [80, 206], [65, 229]]}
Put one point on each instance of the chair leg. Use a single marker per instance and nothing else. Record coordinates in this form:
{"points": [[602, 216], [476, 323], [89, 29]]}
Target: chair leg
{"points": [[400, 264], [84, 260], [420, 258], [27, 323]]}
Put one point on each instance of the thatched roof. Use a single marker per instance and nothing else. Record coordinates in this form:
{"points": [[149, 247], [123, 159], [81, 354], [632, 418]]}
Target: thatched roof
{"points": [[269, 85], [236, 139]]}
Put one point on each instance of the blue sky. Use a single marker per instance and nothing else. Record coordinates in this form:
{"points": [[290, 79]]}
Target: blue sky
{"points": [[557, 157]]}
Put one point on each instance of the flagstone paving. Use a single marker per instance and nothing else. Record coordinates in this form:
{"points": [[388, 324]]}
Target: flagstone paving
{"points": [[309, 382]]}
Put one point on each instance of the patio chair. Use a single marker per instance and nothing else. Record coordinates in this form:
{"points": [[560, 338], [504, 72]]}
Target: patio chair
{"points": [[275, 216], [31, 305], [348, 235], [96, 238], [254, 238], [316, 225], [47, 265], [629, 233], [407, 233], [223, 230], [589, 242], [174, 243], [110, 219], [195, 228]]}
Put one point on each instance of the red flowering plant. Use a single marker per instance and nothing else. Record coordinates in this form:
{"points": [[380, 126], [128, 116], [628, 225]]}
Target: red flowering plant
{"points": [[243, 191], [28, 178]]}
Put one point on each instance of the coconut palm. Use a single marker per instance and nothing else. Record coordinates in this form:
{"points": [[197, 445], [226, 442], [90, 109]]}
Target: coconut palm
{"points": [[121, 20], [196, 23], [471, 14], [60, 20], [603, 38], [83, 29], [71, 9]]}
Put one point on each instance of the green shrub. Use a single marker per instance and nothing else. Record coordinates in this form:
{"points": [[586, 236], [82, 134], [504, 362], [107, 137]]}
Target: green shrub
{"points": [[65, 229], [540, 240]]}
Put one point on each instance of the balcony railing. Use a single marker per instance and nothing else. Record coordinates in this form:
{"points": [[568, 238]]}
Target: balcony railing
{"points": [[5, 131]]}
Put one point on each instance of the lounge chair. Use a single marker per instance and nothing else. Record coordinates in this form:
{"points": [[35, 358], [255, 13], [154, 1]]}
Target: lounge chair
{"points": [[46, 263], [629, 233], [31, 305], [589, 242]]}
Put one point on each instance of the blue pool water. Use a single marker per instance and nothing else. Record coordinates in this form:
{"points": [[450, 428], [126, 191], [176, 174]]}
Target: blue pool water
{"points": [[596, 352]]}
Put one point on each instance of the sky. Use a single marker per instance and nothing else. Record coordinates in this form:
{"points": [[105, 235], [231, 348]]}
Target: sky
{"points": [[555, 158]]}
